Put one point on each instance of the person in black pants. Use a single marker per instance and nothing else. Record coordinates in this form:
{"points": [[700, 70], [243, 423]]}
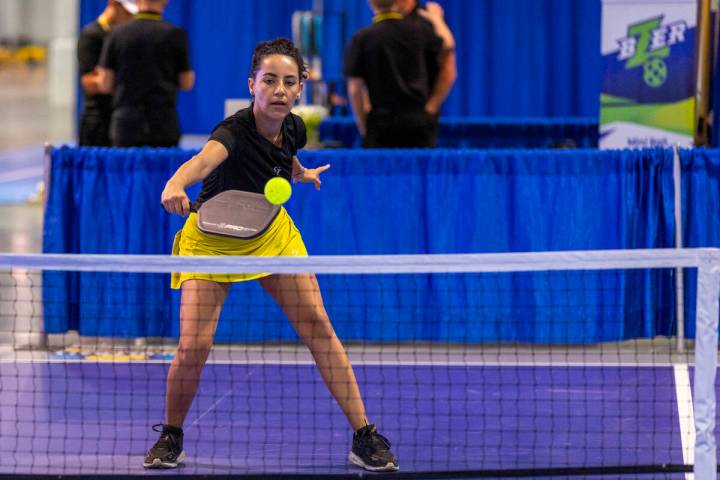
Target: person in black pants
{"points": [[95, 117], [442, 69], [387, 71], [143, 64]]}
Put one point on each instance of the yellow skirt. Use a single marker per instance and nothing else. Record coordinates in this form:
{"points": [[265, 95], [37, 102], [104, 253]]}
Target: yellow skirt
{"points": [[281, 238]]}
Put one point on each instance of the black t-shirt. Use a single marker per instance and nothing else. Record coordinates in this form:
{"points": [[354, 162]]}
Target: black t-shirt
{"points": [[433, 67], [391, 57], [146, 54], [252, 159], [89, 47]]}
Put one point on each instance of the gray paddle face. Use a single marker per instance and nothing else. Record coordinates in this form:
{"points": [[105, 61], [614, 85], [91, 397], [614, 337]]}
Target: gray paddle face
{"points": [[235, 213]]}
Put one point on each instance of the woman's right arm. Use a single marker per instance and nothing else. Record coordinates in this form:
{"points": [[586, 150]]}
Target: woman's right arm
{"points": [[174, 199]]}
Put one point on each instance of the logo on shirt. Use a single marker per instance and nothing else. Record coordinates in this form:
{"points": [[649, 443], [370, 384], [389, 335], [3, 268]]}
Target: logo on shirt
{"points": [[277, 170]]}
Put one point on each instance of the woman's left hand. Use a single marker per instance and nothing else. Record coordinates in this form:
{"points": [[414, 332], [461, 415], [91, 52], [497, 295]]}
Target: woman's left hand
{"points": [[311, 175]]}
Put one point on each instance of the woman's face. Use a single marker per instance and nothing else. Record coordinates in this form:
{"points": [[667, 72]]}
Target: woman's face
{"points": [[276, 86]]}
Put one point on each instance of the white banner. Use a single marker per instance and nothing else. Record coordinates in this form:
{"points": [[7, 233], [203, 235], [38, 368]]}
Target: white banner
{"points": [[648, 93]]}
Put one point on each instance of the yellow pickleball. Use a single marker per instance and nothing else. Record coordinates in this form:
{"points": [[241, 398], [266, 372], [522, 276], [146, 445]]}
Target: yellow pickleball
{"points": [[278, 190]]}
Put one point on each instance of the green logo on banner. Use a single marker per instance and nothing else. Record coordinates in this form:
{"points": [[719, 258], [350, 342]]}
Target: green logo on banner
{"points": [[654, 72], [647, 44]]}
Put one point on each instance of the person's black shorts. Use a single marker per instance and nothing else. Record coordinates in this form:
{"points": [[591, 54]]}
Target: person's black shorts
{"points": [[131, 127], [416, 129], [94, 129]]}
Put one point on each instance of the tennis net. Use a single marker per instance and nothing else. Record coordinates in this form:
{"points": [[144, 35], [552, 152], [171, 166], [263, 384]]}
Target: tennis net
{"points": [[529, 364]]}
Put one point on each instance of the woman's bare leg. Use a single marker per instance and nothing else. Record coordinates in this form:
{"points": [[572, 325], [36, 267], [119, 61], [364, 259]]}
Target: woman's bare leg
{"points": [[300, 299], [200, 308]]}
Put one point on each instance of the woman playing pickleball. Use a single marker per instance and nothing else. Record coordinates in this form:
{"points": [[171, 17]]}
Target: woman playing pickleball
{"points": [[245, 151]]}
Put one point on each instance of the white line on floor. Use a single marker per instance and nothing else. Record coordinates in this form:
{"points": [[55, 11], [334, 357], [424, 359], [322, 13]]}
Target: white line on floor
{"points": [[685, 414], [212, 407], [21, 174]]}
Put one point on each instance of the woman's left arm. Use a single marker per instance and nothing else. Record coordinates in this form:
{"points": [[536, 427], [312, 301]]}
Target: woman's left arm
{"points": [[301, 174]]}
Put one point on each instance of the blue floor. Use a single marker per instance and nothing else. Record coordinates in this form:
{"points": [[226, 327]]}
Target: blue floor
{"points": [[21, 170], [82, 418]]}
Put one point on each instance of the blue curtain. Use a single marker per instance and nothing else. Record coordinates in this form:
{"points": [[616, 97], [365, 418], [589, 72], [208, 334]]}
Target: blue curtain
{"points": [[104, 200], [515, 57], [388, 202]]}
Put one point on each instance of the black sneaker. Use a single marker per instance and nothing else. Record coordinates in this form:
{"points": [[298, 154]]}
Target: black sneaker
{"points": [[168, 450], [371, 451]]}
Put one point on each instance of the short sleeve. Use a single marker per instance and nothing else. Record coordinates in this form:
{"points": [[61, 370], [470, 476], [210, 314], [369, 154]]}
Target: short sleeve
{"points": [[106, 57], [228, 135], [183, 51], [435, 44], [89, 49], [425, 30], [352, 64], [300, 134]]}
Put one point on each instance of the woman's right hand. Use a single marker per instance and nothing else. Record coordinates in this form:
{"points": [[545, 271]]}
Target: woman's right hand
{"points": [[175, 200]]}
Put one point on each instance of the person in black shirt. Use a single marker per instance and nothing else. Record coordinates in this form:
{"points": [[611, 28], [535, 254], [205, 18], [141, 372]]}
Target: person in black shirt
{"points": [[245, 151], [143, 64], [387, 73], [442, 69], [97, 107]]}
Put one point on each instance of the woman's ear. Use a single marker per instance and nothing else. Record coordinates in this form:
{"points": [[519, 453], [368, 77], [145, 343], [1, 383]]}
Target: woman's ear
{"points": [[251, 87], [302, 86]]}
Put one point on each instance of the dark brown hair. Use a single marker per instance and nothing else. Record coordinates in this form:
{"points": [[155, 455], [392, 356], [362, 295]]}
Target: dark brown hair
{"points": [[277, 46]]}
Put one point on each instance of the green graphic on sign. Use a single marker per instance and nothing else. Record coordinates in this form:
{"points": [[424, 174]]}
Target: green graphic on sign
{"points": [[654, 72], [643, 32]]}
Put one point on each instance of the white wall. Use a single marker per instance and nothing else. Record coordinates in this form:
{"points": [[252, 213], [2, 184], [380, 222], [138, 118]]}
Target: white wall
{"points": [[54, 24], [36, 19], [10, 15]]}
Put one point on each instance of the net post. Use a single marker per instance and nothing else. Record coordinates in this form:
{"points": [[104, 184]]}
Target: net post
{"points": [[47, 168], [706, 344], [679, 279]]}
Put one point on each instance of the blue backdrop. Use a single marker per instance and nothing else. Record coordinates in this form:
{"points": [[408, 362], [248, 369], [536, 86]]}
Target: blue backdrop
{"points": [[515, 57], [388, 202]]}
